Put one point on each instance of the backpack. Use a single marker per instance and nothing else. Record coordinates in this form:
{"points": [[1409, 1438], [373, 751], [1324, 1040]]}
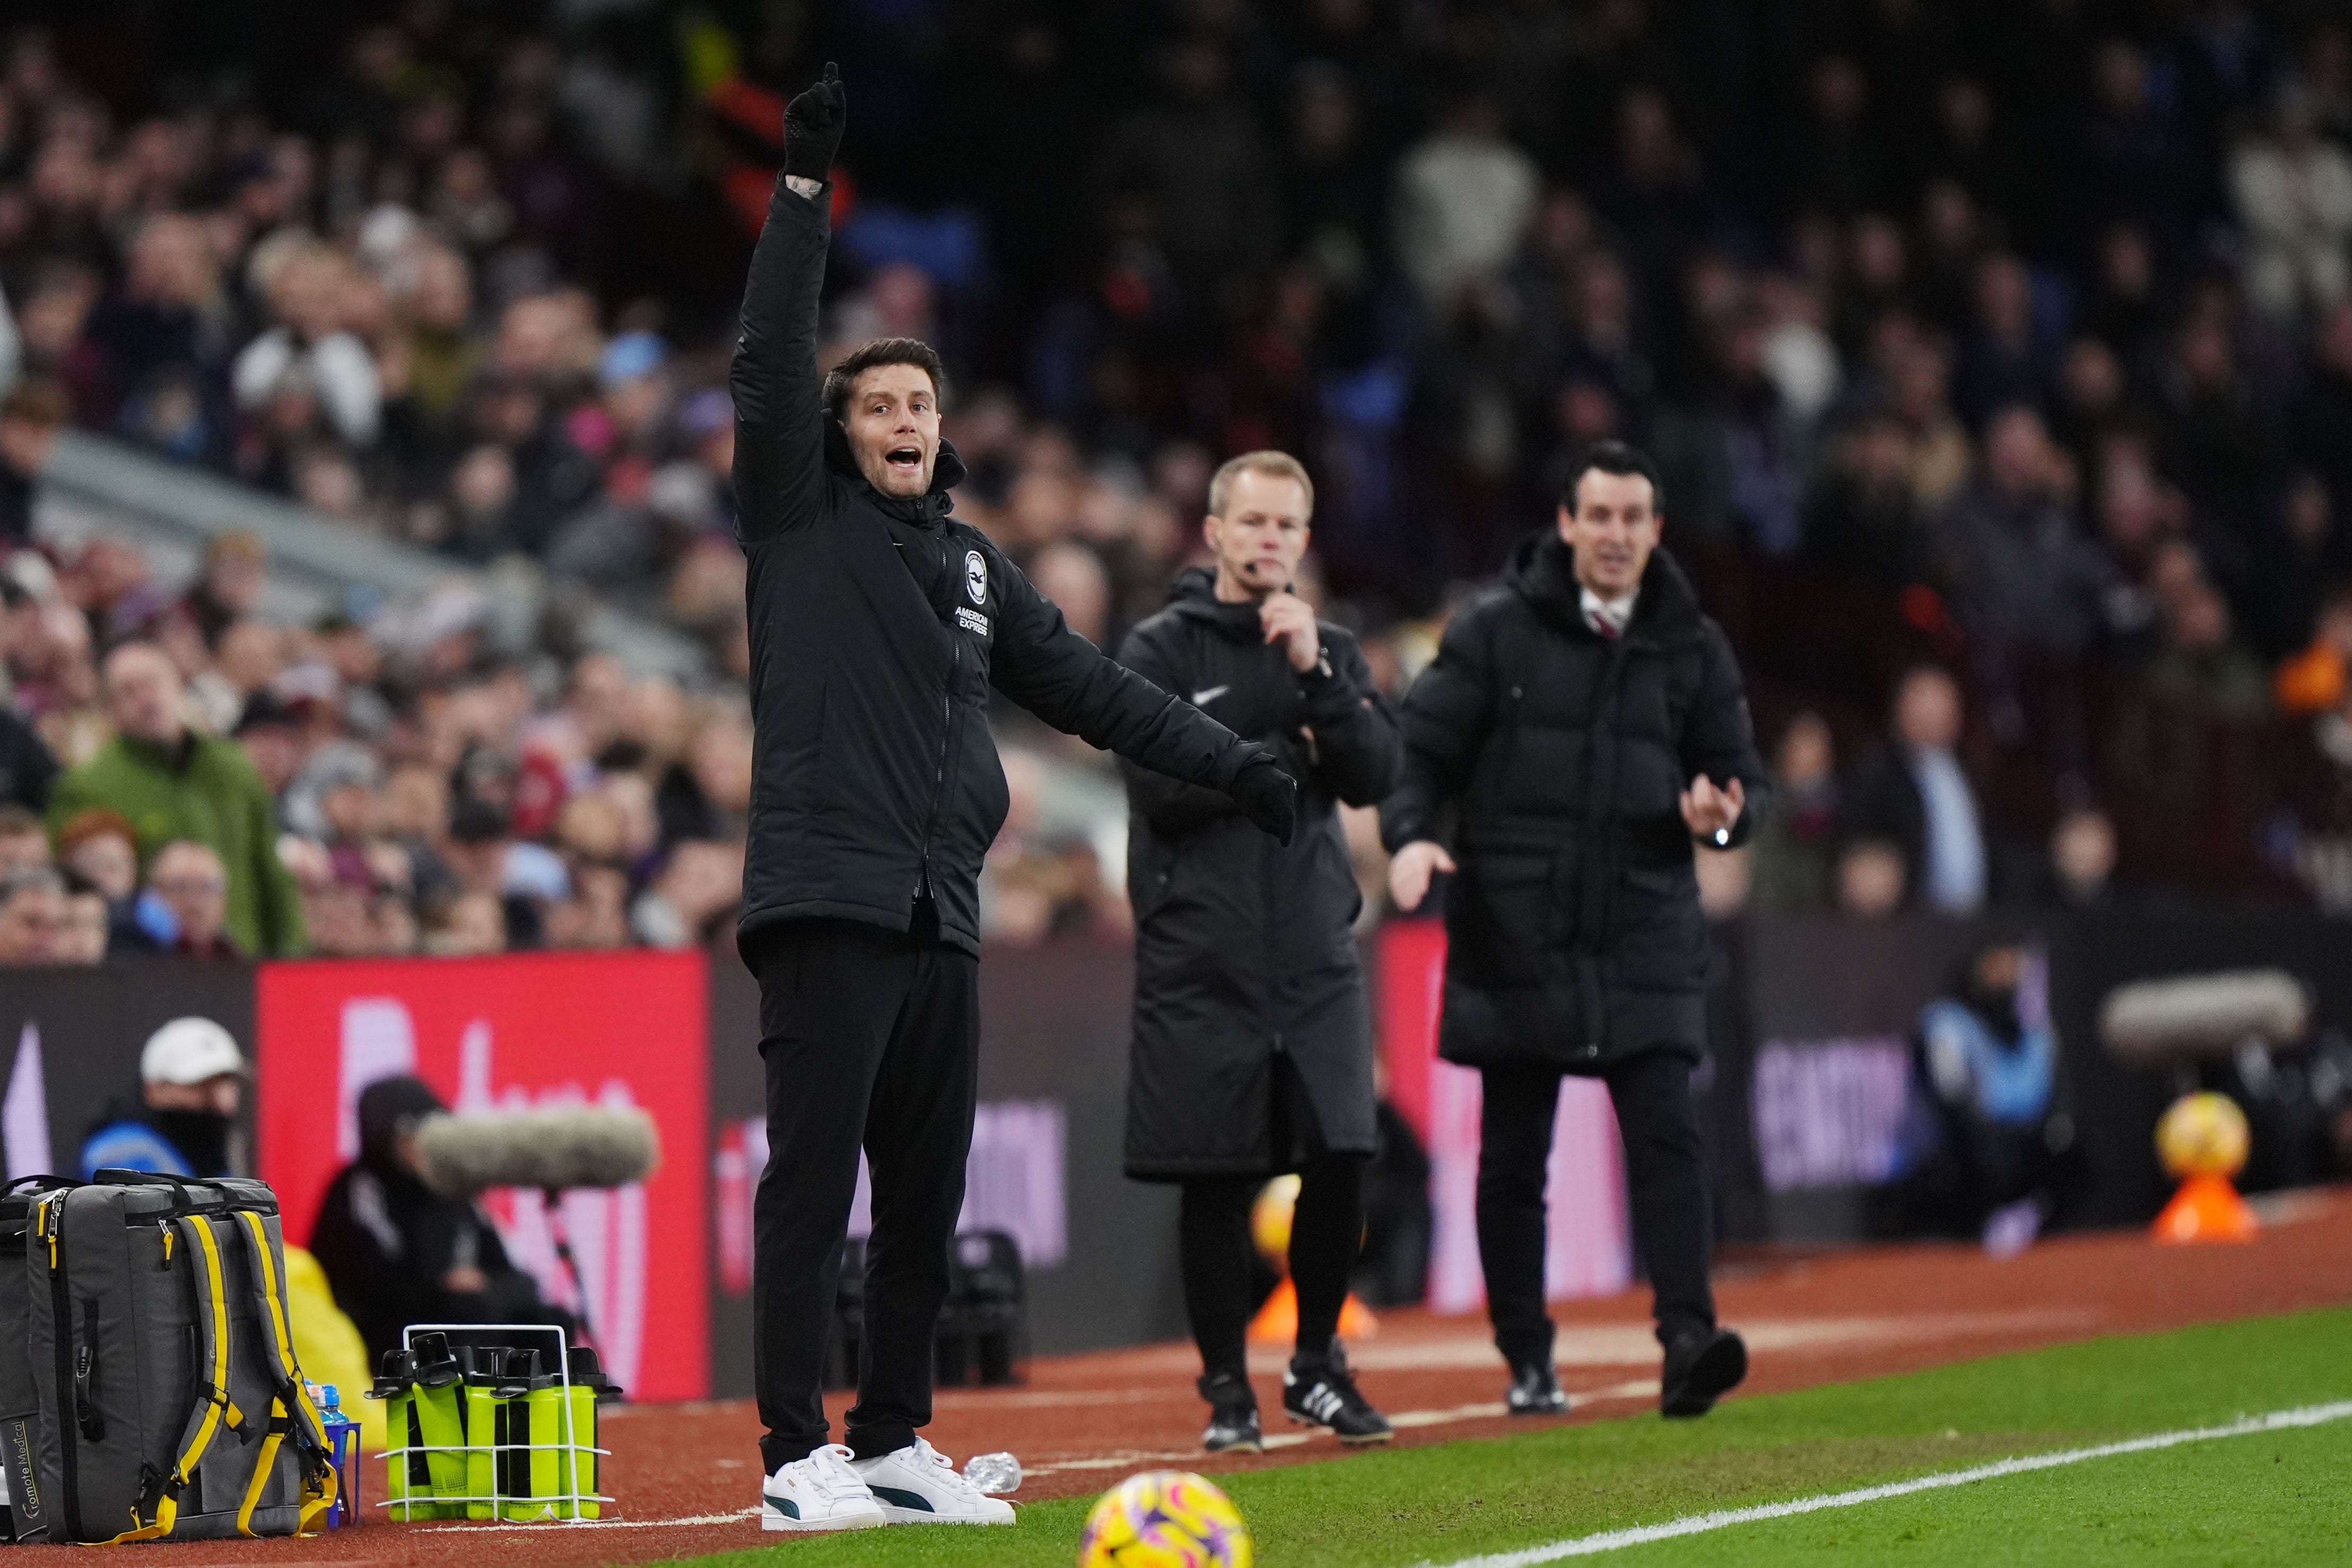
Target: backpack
{"points": [[167, 1401], [22, 1518]]}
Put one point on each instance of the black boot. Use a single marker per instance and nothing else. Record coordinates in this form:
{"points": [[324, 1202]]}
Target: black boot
{"points": [[1534, 1391], [1233, 1416], [1700, 1369], [1318, 1391]]}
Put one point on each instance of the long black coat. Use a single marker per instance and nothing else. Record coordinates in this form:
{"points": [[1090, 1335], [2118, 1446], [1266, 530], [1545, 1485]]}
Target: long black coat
{"points": [[1573, 932], [878, 627], [1244, 954]]}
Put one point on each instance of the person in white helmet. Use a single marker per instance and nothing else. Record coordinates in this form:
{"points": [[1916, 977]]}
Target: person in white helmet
{"points": [[190, 1089]]}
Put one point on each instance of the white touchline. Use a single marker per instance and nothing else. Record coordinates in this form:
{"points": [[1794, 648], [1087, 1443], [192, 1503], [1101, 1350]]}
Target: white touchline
{"points": [[1701, 1523], [547, 1524]]}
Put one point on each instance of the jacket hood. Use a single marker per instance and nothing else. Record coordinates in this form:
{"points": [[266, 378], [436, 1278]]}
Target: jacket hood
{"points": [[946, 474], [388, 1107], [1193, 595], [1541, 569]]}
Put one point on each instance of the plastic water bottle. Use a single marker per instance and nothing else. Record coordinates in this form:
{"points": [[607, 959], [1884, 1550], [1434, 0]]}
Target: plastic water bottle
{"points": [[995, 1474], [342, 1445]]}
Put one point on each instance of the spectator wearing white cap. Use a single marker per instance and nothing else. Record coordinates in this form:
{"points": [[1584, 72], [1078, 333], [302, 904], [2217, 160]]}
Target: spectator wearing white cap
{"points": [[190, 1089]]}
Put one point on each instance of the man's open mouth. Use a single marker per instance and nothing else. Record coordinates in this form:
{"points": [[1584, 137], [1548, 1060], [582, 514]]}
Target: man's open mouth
{"points": [[909, 457]]}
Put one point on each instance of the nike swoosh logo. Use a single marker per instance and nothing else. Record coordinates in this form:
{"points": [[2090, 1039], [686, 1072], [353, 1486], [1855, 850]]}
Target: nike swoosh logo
{"points": [[1211, 695]]}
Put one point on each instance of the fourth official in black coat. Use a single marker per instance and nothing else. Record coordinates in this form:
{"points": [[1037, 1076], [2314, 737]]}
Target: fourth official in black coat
{"points": [[1252, 1051]]}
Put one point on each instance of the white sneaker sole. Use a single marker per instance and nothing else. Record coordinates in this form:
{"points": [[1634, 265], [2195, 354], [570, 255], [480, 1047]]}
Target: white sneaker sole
{"points": [[775, 1518], [891, 1514]]}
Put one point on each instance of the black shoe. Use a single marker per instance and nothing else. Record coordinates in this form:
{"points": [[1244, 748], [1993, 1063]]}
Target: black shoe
{"points": [[1319, 1392], [1233, 1416], [1700, 1369], [1534, 1391]]}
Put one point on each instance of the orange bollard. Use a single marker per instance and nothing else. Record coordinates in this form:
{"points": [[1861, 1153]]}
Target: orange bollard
{"points": [[1277, 1322], [2207, 1208]]}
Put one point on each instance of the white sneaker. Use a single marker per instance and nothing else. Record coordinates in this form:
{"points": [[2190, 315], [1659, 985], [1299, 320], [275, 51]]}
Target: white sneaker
{"points": [[820, 1492], [920, 1485]]}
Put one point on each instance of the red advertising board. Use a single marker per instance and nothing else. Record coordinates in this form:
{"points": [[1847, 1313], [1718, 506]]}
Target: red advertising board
{"points": [[511, 1034], [1586, 1248]]}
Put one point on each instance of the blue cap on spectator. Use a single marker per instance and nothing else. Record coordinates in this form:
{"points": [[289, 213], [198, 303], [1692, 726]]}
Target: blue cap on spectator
{"points": [[631, 356]]}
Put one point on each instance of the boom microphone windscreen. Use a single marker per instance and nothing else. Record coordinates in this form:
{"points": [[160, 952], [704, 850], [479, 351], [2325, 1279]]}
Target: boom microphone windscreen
{"points": [[582, 1146], [2156, 1022]]}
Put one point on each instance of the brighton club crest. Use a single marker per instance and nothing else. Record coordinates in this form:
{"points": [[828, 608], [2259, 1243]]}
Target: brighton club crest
{"points": [[975, 576]]}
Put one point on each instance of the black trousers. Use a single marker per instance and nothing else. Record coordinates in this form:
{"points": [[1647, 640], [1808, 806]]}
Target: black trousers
{"points": [[1221, 1266], [1666, 1181], [871, 1040]]}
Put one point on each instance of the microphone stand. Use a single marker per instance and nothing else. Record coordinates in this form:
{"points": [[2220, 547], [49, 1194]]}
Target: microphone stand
{"points": [[552, 1205]]}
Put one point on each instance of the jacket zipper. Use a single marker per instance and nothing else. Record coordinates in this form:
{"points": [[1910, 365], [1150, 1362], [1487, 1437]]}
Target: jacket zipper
{"points": [[61, 1314], [1510, 726], [940, 781], [1286, 1082]]}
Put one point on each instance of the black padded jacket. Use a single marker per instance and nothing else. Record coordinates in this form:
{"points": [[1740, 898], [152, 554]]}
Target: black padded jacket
{"points": [[1573, 931], [878, 627]]}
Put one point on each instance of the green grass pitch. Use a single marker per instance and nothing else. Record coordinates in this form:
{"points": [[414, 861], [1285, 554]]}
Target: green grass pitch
{"points": [[2274, 1497]]}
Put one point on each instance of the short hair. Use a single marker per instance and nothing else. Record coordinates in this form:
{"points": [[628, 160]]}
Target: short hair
{"points": [[185, 848], [1618, 458], [92, 822], [841, 378], [1282, 465], [140, 646], [29, 879]]}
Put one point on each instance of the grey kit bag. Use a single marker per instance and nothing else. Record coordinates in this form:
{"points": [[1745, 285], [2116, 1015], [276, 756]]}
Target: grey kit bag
{"points": [[169, 1402], [22, 1518]]}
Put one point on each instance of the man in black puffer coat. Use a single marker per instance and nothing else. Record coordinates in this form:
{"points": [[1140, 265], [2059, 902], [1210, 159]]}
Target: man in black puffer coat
{"points": [[878, 627], [1585, 721], [1252, 1051]]}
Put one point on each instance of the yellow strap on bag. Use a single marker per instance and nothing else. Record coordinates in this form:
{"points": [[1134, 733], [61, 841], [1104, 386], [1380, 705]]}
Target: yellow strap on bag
{"points": [[261, 1466], [319, 1475], [217, 1400]]}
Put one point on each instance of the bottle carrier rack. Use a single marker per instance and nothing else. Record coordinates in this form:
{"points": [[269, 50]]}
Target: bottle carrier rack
{"points": [[486, 1430]]}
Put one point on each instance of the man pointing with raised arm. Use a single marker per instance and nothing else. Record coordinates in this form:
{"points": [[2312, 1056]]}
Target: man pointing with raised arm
{"points": [[878, 627]]}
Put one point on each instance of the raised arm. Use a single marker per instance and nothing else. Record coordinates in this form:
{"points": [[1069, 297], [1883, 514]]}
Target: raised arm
{"points": [[1039, 663], [779, 394]]}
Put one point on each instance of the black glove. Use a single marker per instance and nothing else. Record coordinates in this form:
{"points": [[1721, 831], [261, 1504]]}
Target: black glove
{"points": [[1267, 795], [812, 126]]}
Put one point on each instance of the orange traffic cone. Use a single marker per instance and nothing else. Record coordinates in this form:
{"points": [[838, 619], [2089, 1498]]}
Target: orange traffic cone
{"points": [[2206, 1208], [1277, 1322]]}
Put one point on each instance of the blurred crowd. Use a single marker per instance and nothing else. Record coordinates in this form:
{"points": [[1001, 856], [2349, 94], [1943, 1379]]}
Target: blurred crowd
{"points": [[262, 790], [2024, 328]]}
